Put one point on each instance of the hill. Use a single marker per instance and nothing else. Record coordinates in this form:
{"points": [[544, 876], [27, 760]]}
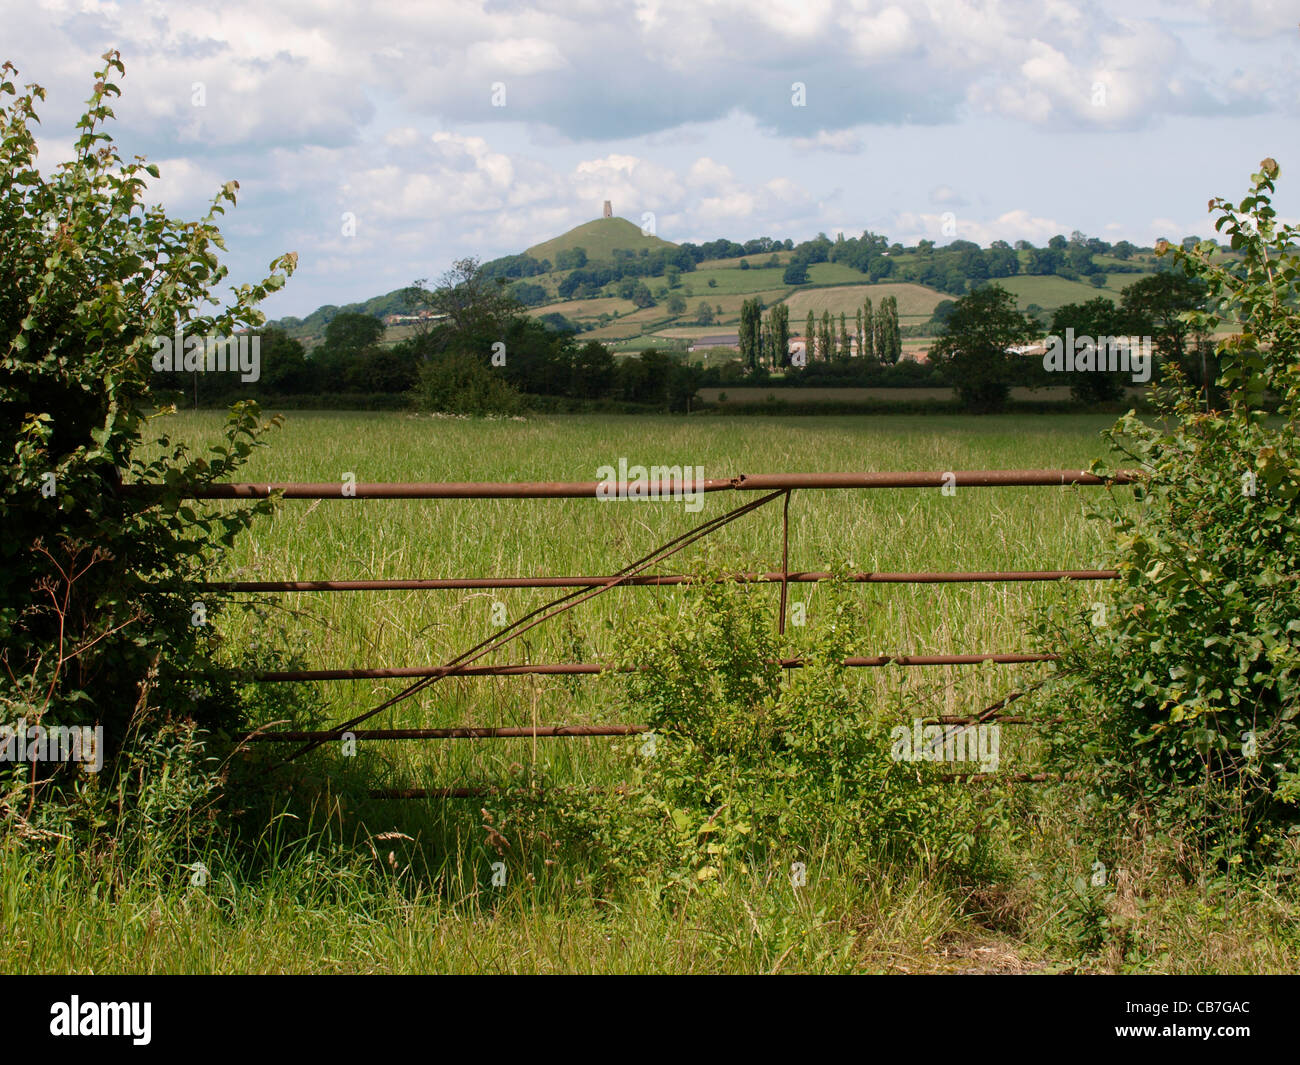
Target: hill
{"points": [[599, 239], [638, 291], [311, 330]]}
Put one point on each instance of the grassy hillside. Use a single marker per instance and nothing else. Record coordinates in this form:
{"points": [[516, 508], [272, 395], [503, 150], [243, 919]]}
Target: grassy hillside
{"points": [[724, 284], [915, 302], [599, 238], [1050, 292]]}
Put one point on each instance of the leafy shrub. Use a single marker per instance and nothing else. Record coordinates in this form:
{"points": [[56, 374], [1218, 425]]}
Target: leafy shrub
{"points": [[96, 608], [748, 763], [456, 383], [1182, 689]]}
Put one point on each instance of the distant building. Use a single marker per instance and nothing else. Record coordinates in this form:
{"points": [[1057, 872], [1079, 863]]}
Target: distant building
{"points": [[407, 319], [724, 340], [609, 209]]}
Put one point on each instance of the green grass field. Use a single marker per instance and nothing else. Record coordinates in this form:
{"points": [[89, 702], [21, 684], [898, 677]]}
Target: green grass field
{"points": [[405, 886], [915, 302]]}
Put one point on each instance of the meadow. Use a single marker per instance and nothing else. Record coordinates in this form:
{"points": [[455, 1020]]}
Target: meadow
{"points": [[355, 884]]}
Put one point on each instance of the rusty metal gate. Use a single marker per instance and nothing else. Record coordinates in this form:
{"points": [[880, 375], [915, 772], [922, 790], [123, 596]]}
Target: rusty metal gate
{"points": [[772, 488]]}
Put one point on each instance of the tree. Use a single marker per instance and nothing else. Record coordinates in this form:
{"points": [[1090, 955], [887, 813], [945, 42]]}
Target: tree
{"points": [[780, 326], [795, 274], [942, 312], [1180, 706], [750, 341], [458, 383], [641, 296], [809, 338], [676, 304], [571, 259], [475, 309], [973, 350], [826, 338], [1097, 318], [593, 370], [868, 348], [888, 337], [704, 313], [284, 363], [350, 333], [845, 349], [1156, 305]]}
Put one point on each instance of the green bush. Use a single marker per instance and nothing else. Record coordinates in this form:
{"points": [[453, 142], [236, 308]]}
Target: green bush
{"points": [[1181, 685], [455, 383], [99, 623], [748, 764]]}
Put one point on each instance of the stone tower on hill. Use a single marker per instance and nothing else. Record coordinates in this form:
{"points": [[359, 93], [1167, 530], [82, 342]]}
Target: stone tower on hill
{"points": [[609, 209]]}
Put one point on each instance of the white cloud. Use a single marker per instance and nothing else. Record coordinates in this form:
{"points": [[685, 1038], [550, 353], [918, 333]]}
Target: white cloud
{"points": [[844, 141]]}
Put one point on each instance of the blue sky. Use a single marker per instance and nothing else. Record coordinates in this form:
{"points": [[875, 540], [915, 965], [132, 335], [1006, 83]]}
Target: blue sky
{"points": [[1023, 119]]}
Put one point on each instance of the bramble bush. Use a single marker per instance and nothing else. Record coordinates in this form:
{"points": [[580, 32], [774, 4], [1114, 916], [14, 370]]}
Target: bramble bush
{"points": [[1180, 687], [749, 766], [98, 623]]}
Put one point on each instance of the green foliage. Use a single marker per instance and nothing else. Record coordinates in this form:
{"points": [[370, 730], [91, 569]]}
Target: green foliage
{"points": [[97, 618], [1158, 307], [973, 349], [749, 764], [1182, 686], [351, 333], [1096, 318], [454, 383]]}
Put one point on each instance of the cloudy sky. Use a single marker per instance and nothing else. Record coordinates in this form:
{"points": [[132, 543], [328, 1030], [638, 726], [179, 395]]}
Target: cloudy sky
{"points": [[453, 129]]}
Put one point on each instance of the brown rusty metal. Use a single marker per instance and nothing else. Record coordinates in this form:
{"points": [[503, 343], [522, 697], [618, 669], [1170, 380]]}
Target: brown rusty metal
{"points": [[581, 668], [465, 733], [773, 577], [583, 589], [761, 482], [766, 482], [556, 731], [785, 561], [429, 793]]}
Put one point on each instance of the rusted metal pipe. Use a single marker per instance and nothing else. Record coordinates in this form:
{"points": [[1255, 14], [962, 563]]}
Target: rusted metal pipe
{"points": [[773, 577], [545, 731], [761, 482], [580, 668], [527, 732]]}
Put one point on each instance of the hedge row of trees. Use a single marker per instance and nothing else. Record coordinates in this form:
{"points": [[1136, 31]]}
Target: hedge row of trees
{"points": [[483, 333], [975, 354], [483, 323]]}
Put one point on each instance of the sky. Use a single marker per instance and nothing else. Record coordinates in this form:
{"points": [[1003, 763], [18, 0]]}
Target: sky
{"points": [[382, 141]]}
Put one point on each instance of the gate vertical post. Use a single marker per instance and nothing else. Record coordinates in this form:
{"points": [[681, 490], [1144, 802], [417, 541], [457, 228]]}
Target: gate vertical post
{"points": [[785, 558]]}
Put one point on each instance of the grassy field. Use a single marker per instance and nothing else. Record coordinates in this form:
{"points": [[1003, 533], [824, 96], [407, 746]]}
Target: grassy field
{"points": [[915, 302], [1050, 292], [403, 887]]}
